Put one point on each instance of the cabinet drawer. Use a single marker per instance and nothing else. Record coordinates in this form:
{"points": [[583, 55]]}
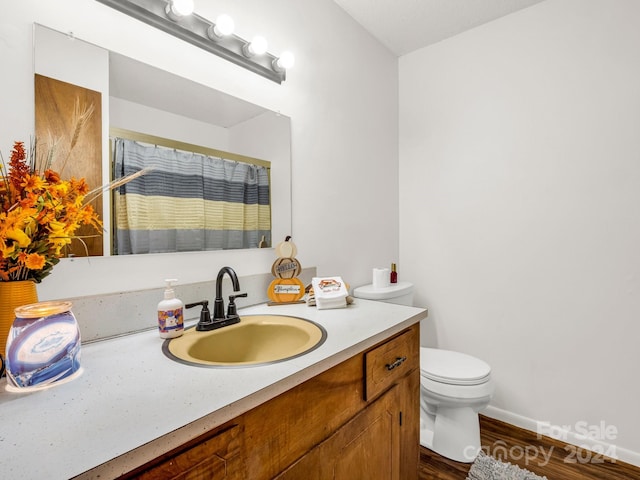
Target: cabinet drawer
{"points": [[385, 364]]}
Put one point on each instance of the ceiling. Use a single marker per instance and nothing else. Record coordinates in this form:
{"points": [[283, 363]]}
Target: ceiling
{"points": [[407, 25]]}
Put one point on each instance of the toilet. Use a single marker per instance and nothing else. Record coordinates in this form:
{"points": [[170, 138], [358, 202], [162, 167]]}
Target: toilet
{"points": [[454, 387]]}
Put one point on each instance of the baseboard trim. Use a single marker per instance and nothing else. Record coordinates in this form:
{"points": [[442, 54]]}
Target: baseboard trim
{"points": [[563, 435]]}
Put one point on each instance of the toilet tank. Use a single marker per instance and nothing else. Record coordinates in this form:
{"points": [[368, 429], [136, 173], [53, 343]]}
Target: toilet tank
{"points": [[400, 293]]}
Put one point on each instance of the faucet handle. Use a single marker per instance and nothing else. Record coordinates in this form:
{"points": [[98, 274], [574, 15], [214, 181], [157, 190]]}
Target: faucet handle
{"points": [[231, 309], [204, 303], [205, 314]]}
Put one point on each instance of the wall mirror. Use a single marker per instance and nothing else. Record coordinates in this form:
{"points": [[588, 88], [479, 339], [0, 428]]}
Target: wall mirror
{"points": [[138, 97]]}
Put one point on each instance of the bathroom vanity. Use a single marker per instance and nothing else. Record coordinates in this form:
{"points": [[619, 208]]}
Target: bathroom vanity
{"points": [[358, 419], [348, 409]]}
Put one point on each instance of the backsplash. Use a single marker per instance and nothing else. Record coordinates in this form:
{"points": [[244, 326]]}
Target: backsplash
{"points": [[111, 315]]}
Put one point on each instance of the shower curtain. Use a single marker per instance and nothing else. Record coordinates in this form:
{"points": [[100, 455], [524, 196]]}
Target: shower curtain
{"points": [[188, 201]]}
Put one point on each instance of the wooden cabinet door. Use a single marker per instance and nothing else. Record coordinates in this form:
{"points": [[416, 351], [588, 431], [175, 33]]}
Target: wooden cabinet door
{"points": [[217, 458], [365, 448]]}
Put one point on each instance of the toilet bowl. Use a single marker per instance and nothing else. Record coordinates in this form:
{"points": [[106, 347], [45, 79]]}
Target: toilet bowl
{"points": [[454, 387]]}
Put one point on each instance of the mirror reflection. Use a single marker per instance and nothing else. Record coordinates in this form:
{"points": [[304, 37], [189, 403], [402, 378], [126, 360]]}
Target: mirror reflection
{"points": [[190, 199], [140, 98]]}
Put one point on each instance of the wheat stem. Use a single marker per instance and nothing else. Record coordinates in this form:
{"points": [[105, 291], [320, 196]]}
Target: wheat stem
{"points": [[97, 192], [80, 118]]}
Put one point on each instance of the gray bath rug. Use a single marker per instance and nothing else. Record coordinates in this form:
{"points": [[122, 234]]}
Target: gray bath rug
{"points": [[488, 468]]}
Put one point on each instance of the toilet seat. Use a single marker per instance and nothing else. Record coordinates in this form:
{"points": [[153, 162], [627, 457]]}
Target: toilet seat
{"points": [[452, 368]]}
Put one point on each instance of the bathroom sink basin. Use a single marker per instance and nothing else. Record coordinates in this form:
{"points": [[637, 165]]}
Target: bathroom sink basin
{"points": [[256, 340]]}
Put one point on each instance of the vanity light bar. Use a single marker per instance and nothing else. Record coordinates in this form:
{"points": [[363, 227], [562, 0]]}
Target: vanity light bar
{"points": [[193, 29]]}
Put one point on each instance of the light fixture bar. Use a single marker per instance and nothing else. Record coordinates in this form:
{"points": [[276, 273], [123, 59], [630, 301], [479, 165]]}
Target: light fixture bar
{"points": [[193, 29]]}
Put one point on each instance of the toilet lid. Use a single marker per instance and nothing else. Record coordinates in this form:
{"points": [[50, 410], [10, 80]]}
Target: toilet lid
{"points": [[453, 368], [393, 290]]}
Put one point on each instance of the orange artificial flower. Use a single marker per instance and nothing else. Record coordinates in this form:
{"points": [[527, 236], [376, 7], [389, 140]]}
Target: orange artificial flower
{"points": [[34, 261], [39, 215]]}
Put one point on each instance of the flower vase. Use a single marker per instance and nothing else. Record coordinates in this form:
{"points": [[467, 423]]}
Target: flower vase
{"points": [[12, 295]]}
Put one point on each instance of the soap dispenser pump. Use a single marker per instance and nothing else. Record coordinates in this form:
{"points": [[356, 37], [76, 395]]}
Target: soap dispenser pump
{"points": [[170, 313]]}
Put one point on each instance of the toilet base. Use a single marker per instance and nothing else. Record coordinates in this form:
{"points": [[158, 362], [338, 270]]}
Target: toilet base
{"points": [[426, 438], [427, 424], [453, 433]]}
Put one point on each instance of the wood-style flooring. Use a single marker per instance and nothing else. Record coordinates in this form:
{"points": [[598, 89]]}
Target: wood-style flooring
{"points": [[540, 455]]}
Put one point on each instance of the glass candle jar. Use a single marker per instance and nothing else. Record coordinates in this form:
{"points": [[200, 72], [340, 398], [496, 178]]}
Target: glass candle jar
{"points": [[43, 347]]}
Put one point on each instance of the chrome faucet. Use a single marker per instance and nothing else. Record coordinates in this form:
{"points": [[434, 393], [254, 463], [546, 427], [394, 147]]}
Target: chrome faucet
{"points": [[219, 319]]}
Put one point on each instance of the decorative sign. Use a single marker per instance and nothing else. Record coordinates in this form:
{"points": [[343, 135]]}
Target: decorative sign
{"points": [[286, 288], [286, 268]]}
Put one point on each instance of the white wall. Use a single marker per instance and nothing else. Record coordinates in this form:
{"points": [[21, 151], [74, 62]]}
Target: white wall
{"points": [[519, 201], [341, 96], [261, 137], [141, 118]]}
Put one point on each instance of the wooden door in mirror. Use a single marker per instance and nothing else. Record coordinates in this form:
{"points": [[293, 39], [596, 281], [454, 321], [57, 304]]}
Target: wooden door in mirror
{"points": [[76, 153]]}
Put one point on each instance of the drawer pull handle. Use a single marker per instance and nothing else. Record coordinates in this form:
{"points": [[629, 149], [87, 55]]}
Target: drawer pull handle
{"points": [[399, 361]]}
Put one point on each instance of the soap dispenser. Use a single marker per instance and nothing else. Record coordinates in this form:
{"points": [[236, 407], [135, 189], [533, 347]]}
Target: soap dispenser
{"points": [[170, 313]]}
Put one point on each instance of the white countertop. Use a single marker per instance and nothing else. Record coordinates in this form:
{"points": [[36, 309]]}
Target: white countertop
{"points": [[130, 394]]}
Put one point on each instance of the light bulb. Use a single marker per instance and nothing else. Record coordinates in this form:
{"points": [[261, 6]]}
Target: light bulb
{"points": [[258, 45], [224, 25], [176, 9], [182, 7], [286, 60]]}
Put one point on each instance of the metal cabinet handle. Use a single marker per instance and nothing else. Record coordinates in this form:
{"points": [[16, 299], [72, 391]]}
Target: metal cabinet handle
{"points": [[399, 361]]}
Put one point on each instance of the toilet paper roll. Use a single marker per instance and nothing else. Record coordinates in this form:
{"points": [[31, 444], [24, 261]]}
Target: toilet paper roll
{"points": [[381, 277]]}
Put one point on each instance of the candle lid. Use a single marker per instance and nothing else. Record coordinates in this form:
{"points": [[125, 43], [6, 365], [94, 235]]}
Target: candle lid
{"points": [[42, 309]]}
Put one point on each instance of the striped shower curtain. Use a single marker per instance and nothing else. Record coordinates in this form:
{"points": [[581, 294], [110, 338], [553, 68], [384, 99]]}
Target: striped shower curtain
{"points": [[188, 201]]}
